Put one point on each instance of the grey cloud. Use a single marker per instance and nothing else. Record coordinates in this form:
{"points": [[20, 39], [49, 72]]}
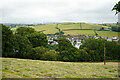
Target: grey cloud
{"points": [[24, 11]]}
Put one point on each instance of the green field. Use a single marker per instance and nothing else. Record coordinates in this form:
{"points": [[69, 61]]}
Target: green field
{"points": [[73, 29], [49, 28], [25, 68], [82, 32], [108, 33], [77, 26]]}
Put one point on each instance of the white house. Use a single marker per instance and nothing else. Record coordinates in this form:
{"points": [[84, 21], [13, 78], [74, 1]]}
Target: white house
{"points": [[109, 39], [78, 43], [114, 38], [104, 37], [97, 37]]}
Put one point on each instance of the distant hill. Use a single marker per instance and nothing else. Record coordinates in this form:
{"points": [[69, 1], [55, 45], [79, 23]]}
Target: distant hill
{"points": [[80, 26], [73, 29]]}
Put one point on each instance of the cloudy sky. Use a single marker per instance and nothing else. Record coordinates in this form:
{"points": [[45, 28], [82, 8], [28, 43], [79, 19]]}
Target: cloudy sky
{"points": [[41, 11]]}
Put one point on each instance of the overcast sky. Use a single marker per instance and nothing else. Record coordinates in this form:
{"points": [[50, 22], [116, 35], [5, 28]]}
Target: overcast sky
{"points": [[41, 11]]}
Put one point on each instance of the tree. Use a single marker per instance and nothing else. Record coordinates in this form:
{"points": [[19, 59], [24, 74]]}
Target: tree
{"points": [[95, 49], [50, 55], [64, 44], [23, 31], [82, 55], [38, 52], [22, 47], [7, 46], [15, 45], [112, 50], [52, 47], [38, 39], [116, 7], [96, 45], [67, 51]]}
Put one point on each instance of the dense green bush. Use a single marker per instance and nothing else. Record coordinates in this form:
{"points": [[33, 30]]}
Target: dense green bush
{"points": [[38, 52], [112, 50], [23, 31], [7, 40], [22, 47], [96, 49], [67, 51], [38, 39], [51, 55], [14, 45], [52, 47]]}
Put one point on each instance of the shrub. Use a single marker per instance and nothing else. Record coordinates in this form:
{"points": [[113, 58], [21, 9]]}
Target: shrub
{"points": [[38, 39], [38, 52], [50, 55]]}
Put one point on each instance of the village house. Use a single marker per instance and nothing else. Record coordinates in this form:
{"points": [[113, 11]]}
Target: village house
{"points": [[76, 40], [88, 36], [77, 44], [96, 37], [104, 37], [54, 43], [109, 39], [115, 39], [69, 38]]}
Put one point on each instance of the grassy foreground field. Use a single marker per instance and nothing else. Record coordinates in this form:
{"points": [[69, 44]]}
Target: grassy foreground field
{"points": [[25, 68]]}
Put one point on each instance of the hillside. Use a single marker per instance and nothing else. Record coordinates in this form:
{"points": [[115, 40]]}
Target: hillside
{"points": [[80, 26], [26, 68], [73, 29], [47, 28]]}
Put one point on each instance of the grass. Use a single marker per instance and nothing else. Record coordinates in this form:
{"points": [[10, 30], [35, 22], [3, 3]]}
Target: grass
{"points": [[83, 26], [25, 68], [49, 28], [76, 32], [108, 33]]}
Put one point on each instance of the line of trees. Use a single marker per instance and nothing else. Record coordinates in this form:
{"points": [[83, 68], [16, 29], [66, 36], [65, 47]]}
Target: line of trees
{"points": [[27, 43]]}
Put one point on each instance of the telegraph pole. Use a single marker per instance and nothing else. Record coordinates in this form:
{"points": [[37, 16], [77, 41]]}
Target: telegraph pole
{"points": [[104, 55]]}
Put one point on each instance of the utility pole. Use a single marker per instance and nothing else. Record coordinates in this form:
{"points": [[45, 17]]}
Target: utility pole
{"points": [[104, 55]]}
